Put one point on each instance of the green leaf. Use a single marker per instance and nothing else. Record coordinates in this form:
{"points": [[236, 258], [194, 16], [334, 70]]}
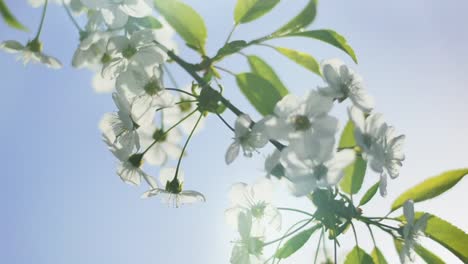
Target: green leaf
{"points": [[447, 235], [186, 21], [9, 18], [369, 194], [249, 10], [328, 36], [347, 136], [301, 58], [302, 20], [378, 257], [295, 243], [230, 48], [427, 255], [262, 69], [259, 91], [354, 176], [431, 187], [358, 256], [148, 22]]}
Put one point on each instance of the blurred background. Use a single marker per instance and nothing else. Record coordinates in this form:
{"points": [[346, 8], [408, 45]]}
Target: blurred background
{"points": [[61, 201]]}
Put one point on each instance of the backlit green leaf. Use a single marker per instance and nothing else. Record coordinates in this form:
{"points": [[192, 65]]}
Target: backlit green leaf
{"points": [[354, 176], [347, 136], [431, 187], [302, 59], [249, 10], [328, 36], [230, 48], [369, 194], [186, 21], [262, 69], [260, 92], [302, 20], [358, 256], [9, 18], [427, 256], [447, 235], [295, 243], [378, 257]]}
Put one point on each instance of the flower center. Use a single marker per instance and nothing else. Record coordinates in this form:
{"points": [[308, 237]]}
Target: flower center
{"points": [[105, 58], [159, 135], [129, 51], [174, 186], [136, 160], [255, 246], [152, 87], [34, 45], [258, 210], [367, 140], [320, 172], [301, 122]]}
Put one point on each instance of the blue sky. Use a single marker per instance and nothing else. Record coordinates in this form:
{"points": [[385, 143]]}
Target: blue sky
{"points": [[61, 201]]}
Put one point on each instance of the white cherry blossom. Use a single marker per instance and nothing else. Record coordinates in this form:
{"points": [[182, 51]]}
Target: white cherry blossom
{"points": [[139, 50], [247, 250], [411, 231], [161, 145], [344, 83], [32, 52], [255, 200], [91, 50], [248, 138], [173, 193], [298, 118], [314, 166], [116, 13]]}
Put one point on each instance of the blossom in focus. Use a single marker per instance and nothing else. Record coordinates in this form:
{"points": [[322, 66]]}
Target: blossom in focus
{"points": [[173, 193], [255, 200], [345, 83], [296, 119], [31, 52], [380, 145], [248, 138], [411, 231]]}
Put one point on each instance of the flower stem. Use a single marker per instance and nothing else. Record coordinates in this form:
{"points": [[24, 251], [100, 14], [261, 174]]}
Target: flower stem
{"points": [[318, 247], [186, 144], [180, 91], [295, 210], [230, 34], [167, 131], [289, 234], [171, 77], [69, 14], [44, 10], [204, 85], [225, 122]]}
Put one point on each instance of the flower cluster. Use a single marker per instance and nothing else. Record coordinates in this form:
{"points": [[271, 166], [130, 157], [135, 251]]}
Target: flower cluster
{"points": [[310, 158]]}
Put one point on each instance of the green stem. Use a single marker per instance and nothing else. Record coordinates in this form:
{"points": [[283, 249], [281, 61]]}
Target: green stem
{"points": [[318, 247], [180, 91], [225, 70], [186, 144], [171, 77], [167, 131], [356, 240], [372, 235], [44, 10], [230, 34], [204, 85], [288, 234], [295, 210], [69, 14], [225, 122]]}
